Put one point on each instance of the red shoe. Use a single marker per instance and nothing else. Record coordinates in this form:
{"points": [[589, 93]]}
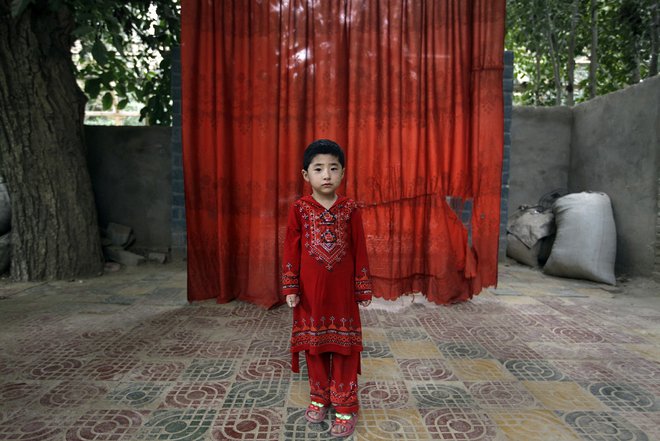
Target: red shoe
{"points": [[342, 428], [316, 414]]}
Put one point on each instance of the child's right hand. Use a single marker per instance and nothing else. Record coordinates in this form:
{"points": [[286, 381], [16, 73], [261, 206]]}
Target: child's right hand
{"points": [[292, 300]]}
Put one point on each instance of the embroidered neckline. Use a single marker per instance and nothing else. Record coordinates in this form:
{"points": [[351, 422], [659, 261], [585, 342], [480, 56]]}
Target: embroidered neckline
{"points": [[326, 230]]}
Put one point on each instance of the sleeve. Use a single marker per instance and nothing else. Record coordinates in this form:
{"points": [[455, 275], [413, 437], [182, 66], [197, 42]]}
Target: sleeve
{"points": [[362, 276], [291, 258]]}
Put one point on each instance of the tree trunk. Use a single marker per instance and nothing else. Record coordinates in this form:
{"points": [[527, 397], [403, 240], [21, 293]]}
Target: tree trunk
{"points": [[537, 79], [554, 57], [55, 232], [655, 29], [636, 74], [570, 69], [593, 58]]}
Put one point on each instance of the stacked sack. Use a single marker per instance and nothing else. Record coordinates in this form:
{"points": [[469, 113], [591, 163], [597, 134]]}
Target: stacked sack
{"points": [[582, 243]]}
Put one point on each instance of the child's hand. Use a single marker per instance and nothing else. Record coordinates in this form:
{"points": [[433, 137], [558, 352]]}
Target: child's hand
{"points": [[292, 300], [364, 303]]}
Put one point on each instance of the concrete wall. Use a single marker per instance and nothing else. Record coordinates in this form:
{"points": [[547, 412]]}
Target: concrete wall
{"points": [[130, 168], [540, 153], [615, 143], [609, 144]]}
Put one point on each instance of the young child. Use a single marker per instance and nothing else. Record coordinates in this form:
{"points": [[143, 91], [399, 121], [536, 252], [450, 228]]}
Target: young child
{"points": [[325, 275]]}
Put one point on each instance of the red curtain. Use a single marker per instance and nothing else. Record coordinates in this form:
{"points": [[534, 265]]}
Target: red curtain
{"points": [[411, 89]]}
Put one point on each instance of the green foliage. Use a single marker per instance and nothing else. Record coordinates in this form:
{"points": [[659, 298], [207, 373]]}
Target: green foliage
{"points": [[123, 50], [624, 51]]}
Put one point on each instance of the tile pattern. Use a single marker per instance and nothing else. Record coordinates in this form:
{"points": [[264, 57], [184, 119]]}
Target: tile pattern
{"points": [[125, 357]]}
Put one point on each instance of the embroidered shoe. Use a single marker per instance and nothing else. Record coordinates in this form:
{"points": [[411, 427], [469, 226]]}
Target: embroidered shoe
{"points": [[316, 412], [344, 425]]}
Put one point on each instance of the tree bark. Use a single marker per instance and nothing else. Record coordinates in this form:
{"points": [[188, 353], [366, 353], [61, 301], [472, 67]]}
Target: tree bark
{"points": [[554, 56], [570, 70], [654, 30], [55, 232], [593, 58], [537, 79]]}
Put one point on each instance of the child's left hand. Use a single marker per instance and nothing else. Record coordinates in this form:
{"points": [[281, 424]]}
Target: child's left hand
{"points": [[364, 303]]}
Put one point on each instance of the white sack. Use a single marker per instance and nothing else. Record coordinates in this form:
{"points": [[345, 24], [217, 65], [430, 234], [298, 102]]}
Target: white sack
{"points": [[585, 242]]}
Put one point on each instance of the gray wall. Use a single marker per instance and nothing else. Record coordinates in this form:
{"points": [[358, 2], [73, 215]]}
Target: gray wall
{"points": [[608, 144], [130, 169], [540, 153], [615, 145]]}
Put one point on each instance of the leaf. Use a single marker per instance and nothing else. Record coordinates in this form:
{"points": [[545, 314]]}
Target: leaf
{"points": [[118, 43], [93, 87], [100, 53], [82, 30], [18, 6], [122, 104], [106, 78], [107, 101]]}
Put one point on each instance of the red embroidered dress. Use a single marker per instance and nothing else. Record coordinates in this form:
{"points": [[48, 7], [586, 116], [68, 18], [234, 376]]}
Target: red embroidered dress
{"points": [[325, 263]]}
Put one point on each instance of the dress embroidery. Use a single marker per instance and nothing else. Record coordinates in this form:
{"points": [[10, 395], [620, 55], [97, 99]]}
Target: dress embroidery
{"points": [[344, 394], [290, 282], [329, 244], [362, 283], [342, 332], [326, 232]]}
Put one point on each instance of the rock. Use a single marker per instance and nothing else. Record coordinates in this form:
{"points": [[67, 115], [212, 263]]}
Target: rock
{"points": [[120, 235], [5, 252], [5, 209], [111, 267], [120, 255], [157, 257]]}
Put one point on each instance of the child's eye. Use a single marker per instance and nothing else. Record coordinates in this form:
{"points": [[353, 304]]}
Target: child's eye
{"points": [[317, 169]]}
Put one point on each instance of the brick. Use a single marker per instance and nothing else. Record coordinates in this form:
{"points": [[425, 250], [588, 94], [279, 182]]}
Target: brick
{"points": [[178, 200]]}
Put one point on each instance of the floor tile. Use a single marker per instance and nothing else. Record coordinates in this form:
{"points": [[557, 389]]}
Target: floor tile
{"points": [[426, 369], [111, 425], [538, 358], [480, 370], [533, 425], [533, 370], [391, 424], [600, 426], [380, 369], [461, 424], [563, 395], [441, 394], [247, 424], [502, 395], [384, 395], [414, 349], [180, 425], [624, 397]]}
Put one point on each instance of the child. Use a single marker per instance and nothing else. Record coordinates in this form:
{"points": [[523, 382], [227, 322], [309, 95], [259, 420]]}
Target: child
{"points": [[325, 275]]}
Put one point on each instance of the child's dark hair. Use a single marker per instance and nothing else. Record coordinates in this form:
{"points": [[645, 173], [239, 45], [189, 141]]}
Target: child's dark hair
{"points": [[322, 147]]}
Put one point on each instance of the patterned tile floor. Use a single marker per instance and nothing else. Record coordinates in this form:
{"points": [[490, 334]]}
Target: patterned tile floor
{"points": [[125, 357]]}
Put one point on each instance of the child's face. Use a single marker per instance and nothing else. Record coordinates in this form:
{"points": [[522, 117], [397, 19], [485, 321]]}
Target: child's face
{"points": [[324, 175]]}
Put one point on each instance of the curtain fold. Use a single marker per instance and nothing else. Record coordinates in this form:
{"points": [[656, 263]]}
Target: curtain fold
{"points": [[413, 92]]}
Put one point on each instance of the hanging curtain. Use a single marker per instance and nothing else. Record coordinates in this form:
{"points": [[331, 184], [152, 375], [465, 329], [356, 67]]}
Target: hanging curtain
{"points": [[413, 92]]}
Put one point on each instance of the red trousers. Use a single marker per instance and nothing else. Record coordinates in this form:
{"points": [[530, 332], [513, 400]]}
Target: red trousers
{"points": [[333, 380]]}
